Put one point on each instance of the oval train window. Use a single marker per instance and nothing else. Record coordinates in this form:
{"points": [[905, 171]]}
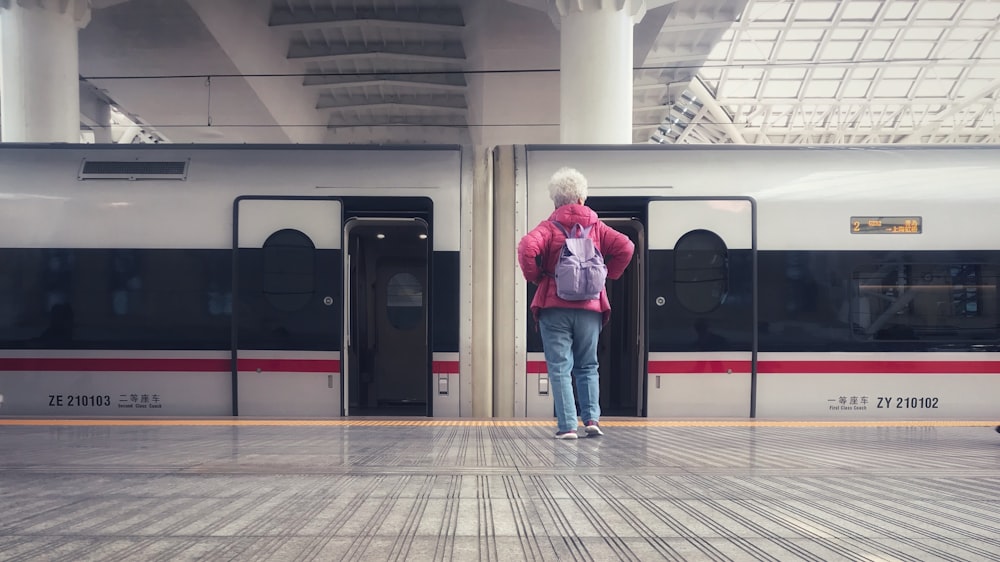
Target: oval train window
{"points": [[289, 270], [701, 271]]}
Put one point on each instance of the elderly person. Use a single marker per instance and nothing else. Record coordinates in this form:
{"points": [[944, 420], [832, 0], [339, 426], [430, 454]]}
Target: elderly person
{"points": [[570, 329]]}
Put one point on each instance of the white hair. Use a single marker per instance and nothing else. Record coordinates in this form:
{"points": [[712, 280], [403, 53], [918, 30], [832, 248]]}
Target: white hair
{"points": [[567, 186]]}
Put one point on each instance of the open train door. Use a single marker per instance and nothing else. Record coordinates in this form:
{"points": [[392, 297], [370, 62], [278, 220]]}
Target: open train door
{"points": [[620, 349], [386, 333], [286, 307], [702, 253]]}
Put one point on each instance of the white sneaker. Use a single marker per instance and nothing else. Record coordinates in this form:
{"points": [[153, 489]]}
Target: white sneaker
{"points": [[567, 435], [593, 429]]}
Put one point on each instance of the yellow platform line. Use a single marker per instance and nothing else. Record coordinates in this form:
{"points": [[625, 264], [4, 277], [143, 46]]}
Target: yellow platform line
{"points": [[355, 422]]}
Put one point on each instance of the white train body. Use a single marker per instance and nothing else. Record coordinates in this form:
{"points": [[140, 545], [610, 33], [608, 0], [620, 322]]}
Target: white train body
{"points": [[775, 283], [216, 280]]}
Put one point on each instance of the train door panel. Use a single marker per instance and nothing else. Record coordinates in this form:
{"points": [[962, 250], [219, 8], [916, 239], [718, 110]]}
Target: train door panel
{"points": [[387, 330], [700, 308], [286, 312]]}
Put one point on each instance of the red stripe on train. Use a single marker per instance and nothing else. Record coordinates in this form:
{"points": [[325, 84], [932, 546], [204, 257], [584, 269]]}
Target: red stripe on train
{"points": [[167, 364], [671, 367], [812, 367], [689, 366], [880, 367], [182, 365], [445, 367], [827, 367]]}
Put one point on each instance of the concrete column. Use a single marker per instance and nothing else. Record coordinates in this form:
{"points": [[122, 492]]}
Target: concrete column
{"points": [[506, 275], [596, 70], [39, 59], [482, 284]]}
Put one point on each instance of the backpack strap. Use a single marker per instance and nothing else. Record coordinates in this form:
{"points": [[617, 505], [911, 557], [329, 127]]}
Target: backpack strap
{"points": [[584, 231]]}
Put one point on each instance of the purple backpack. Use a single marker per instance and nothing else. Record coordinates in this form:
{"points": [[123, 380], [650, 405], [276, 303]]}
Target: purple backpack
{"points": [[580, 273]]}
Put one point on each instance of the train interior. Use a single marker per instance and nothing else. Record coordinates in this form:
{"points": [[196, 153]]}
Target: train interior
{"points": [[387, 362], [620, 350]]}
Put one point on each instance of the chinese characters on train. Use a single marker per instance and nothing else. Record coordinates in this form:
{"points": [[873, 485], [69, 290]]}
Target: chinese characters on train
{"points": [[861, 403], [134, 401]]}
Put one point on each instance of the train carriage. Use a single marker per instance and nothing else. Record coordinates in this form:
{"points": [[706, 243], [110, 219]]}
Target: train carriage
{"points": [[787, 282], [231, 280]]}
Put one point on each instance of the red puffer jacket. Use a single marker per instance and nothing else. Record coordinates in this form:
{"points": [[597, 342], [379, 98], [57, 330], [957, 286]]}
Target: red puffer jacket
{"points": [[545, 240]]}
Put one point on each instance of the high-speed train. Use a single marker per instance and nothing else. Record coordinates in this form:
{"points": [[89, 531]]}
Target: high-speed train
{"points": [[845, 283]]}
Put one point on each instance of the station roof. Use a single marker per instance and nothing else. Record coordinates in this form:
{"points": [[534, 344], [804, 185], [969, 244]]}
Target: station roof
{"points": [[486, 71]]}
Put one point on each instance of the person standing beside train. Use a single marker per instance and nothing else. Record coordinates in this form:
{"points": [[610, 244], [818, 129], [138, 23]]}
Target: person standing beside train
{"points": [[570, 329]]}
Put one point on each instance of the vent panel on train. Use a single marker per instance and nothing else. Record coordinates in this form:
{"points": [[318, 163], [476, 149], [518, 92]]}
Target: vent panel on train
{"points": [[134, 170]]}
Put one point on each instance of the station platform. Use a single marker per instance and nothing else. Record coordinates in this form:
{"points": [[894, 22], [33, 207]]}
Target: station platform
{"points": [[496, 490]]}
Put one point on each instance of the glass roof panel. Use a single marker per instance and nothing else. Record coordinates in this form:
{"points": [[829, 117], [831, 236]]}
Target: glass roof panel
{"points": [[971, 86], [947, 73], [892, 88], [886, 33], [787, 73], [899, 72], [746, 73], [753, 51], [804, 34], [742, 89], [781, 89], [797, 50], [861, 10], [988, 10], [858, 71], [829, 72], [935, 10], [914, 50], [856, 89], [899, 10], [991, 52], [769, 11], [840, 50], [864, 72], [848, 34], [876, 50], [958, 50], [822, 89], [923, 33], [933, 89], [712, 74], [761, 34], [819, 10]]}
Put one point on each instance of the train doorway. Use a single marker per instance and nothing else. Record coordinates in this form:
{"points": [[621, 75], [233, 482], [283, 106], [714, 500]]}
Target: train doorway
{"points": [[620, 350], [386, 336]]}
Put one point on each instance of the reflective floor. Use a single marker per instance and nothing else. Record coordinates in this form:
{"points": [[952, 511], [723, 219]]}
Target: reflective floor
{"points": [[499, 491]]}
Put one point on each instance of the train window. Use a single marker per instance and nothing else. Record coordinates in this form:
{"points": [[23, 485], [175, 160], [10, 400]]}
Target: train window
{"points": [[289, 270], [113, 298], [405, 301], [125, 277], [701, 271], [934, 302]]}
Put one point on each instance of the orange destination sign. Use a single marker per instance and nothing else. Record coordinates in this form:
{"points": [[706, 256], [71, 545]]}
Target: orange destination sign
{"points": [[886, 225]]}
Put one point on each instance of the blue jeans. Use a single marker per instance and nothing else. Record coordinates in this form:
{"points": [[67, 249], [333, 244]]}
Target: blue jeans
{"points": [[569, 338]]}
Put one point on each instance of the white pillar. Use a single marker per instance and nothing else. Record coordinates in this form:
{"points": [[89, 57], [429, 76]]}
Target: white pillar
{"points": [[40, 101], [482, 284], [596, 70]]}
